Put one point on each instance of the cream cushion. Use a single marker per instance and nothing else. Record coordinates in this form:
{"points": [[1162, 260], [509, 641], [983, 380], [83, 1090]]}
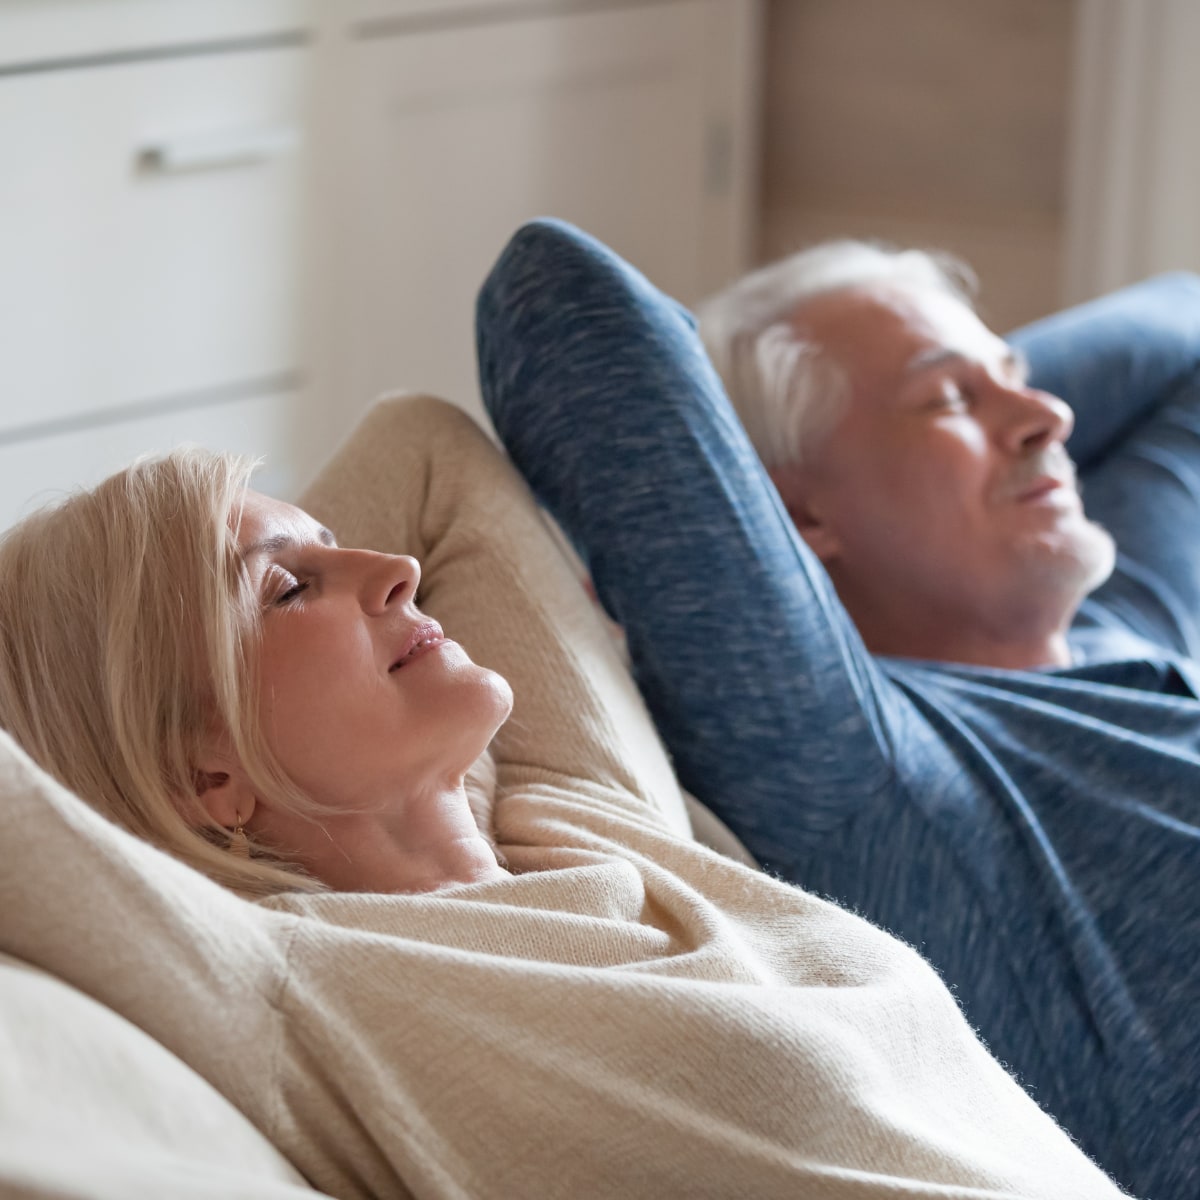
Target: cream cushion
{"points": [[91, 1106]]}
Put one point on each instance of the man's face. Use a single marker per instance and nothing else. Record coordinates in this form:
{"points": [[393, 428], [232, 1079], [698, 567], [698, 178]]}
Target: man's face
{"points": [[943, 492]]}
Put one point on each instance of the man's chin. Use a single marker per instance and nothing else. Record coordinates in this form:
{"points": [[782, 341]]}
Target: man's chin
{"points": [[1078, 559], [1104, 556]]}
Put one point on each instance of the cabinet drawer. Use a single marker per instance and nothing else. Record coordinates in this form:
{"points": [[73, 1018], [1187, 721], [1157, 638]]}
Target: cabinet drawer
{"points": [[150, 241], [37, 471], [37, 32]]}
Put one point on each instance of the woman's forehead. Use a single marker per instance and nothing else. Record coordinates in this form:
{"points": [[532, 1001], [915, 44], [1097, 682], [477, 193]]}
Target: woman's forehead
{"points": [[267, 525]]}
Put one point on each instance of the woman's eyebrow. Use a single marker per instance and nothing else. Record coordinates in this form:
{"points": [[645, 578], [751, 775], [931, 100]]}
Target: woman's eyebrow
{"points": [[284, 541]]}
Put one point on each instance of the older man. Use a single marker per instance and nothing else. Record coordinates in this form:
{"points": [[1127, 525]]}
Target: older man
{"points": [[1002, 772], [927, 473]]}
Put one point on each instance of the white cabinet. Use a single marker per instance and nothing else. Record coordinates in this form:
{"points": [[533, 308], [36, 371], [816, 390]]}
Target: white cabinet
{"points": [[236, 221], [152, 237], [618, 120], [152, 234]]}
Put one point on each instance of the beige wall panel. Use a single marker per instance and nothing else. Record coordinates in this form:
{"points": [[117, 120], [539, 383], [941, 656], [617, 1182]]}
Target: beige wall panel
{"points": [[1018, 265], [934, 121]]}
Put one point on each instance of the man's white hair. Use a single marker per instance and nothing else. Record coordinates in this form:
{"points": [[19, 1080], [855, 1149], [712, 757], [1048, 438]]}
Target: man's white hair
{"points": [[789, 392]]}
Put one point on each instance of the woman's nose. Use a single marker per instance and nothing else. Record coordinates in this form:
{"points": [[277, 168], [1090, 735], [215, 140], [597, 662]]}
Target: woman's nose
{"points": [[392, 579]]}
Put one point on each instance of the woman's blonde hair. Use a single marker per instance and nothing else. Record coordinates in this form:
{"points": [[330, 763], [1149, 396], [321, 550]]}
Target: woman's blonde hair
{"points": [[127, 642]]}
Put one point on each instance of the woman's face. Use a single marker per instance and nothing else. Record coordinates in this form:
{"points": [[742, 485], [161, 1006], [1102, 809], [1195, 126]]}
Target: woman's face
{"points": [[367, 704]]}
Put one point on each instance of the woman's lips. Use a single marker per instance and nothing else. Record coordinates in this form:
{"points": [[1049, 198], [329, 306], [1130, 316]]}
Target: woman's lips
{"points": [[427, 636]]}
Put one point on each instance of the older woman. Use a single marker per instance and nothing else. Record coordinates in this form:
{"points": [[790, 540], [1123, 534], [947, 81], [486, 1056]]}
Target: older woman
{"points": [[615, 1011]]}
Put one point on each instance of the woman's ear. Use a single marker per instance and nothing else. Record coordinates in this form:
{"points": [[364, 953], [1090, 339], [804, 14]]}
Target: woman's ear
{"points": [[222, 787], [804, 507]]}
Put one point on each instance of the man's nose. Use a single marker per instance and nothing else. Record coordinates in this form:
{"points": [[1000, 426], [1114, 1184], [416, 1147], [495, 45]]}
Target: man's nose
{"points": [[1035, 419]]}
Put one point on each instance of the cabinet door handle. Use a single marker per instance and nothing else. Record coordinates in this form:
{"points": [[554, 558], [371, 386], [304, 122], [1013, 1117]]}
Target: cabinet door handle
{"points": [[212, 152]]}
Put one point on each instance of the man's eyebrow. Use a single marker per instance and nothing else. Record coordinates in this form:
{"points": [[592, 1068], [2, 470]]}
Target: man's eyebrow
{"points": [[283, 541], [937, 356]]}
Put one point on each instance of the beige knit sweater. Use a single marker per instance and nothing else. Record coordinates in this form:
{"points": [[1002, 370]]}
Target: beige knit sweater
{"points": [[628, 1015]]}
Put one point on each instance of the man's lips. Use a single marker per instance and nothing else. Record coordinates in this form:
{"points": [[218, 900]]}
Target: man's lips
{"points": [[1039, 488], [1047, 475], [426, 636]]}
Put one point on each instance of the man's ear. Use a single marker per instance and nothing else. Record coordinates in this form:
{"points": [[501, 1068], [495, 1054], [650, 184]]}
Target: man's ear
{"points": [[222, 787], [806, 510]]}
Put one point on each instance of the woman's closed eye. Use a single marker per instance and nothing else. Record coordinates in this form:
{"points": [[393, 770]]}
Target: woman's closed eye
{"points": [[284, 587], [292, 592]]}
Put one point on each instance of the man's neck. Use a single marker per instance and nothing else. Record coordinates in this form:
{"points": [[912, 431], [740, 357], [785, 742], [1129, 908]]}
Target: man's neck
{"points": [[1022, 637], [974, 648]]}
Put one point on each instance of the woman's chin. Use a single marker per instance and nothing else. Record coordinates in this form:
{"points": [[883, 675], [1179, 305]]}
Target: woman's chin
{"points": [[483, 703], [501, 696], [479, 689]]}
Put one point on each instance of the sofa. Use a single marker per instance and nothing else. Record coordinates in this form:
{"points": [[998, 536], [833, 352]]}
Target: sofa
{"points": [[93, 1107], [90, 1106]]}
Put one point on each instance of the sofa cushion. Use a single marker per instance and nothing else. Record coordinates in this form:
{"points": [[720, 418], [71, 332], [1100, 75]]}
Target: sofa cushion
{"points": [[92, 1106]]}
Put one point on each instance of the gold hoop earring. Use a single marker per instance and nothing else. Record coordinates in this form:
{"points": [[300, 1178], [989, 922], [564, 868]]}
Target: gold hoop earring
{"points": [[239, 843]]}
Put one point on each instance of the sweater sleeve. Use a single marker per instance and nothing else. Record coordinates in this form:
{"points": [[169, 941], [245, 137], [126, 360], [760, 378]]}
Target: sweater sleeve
{"points": [[419, 477], [777, 717]]}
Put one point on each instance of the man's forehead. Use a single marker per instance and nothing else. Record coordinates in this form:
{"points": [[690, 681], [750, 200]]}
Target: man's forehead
{"points": [[891, 329], [858, 305]]}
